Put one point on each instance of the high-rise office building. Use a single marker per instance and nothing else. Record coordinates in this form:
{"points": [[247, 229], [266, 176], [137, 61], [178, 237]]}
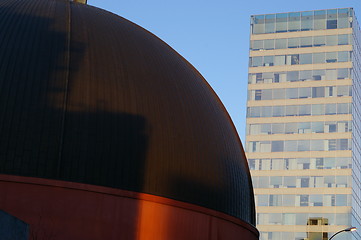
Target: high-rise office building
{"points": [[304, 123]]}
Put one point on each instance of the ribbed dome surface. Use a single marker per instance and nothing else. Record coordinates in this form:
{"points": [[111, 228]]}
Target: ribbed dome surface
{"points": [[87, 96]]}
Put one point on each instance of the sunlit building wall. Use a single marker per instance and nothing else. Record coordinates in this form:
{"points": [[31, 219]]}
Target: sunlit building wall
{"points": [[303, 123]]}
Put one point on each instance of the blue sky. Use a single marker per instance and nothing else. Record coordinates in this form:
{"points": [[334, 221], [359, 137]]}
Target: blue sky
{"points": [[213, 35]]}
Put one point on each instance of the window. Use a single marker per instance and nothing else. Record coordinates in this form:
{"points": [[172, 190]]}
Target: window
{"points": [[330, 91], [319, 163], [277, 146], [291, 110], [343, 127], [257, 95], [294, 21], [294, 59], [282, 77], [316, 200], [343, 39], [254, 129], [258, 24], [290, 182], [317, 181], [267, 77], [318, 74], [290, 146], [257, 44], [319, 41], [259, 78], [329, 200], [281, 43], [266, 94], [292, 76], [288, 200], [301, 219], [293, 42], [252, 164], [305, 182], [343, 56], [304, 127], [341, 200], [304, 200], [342, 144], [343, 108], [329, 181], [266, 128], [331, 74], [306, 21], [342, 73], [291, 93], [341, 181], [306, 41], [318, 109], [262, 200], [275, 181], [331, 24], [330, 127], [319, 20], [343, 91], [268, 61], [306, 58], [255, 181], [331, 57], [256, 61], [343, 20], [331, 145], [263, 182], [278, 111], [265, 146], [304, 110], [332, 40], [275, 200], [269, 44], [277, 164], [318, 58], [317, 145], [270, 23], [303, 145], [278, 128], [253, 112], [264, 164], [305, 75], [330, 109], [331, 19], [279, 93], [281, 22], [275, 218], [318, 92], [266, 111], [280, 60]]}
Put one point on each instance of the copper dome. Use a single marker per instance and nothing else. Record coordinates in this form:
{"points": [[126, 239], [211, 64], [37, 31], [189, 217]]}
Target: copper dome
{"points": [[87, 96]]}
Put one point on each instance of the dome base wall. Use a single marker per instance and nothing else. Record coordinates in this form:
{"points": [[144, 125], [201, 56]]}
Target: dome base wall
{"points": [[65, 210]]}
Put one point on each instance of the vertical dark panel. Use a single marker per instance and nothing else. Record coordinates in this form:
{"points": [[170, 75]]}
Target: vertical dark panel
{"points": [[31, 61]]}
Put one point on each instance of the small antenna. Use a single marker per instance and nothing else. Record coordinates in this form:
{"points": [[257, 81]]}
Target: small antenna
{"points": [[80, 1]]}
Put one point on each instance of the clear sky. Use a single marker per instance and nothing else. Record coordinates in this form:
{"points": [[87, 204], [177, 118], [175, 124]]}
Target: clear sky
{"points": [[213, 35]]}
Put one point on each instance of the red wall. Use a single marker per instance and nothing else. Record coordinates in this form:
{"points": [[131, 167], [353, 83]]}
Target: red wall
{"points": [[72, 211]]}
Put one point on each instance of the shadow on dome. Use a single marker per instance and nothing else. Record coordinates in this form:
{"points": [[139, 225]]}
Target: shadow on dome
{"points": [[39, 137]]}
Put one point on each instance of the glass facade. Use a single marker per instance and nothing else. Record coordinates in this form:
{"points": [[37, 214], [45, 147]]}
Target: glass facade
{"points": [[300, 76], [301, 21], [303, 138], [302, 42]]}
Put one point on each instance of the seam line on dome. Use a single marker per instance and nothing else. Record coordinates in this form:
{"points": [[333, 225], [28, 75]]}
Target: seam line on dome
{"points": [[66, 85]]}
